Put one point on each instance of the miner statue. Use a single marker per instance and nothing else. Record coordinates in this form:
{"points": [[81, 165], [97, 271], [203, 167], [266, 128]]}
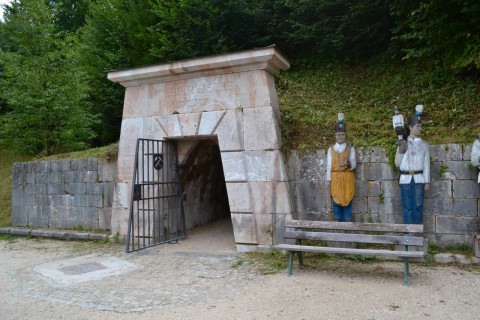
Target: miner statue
{"points": [[341, 162], [413, 160], [475, 157]]}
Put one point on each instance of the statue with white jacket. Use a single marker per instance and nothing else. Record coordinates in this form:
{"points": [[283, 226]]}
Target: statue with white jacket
{"points": [[475, 157], [413, 160]]}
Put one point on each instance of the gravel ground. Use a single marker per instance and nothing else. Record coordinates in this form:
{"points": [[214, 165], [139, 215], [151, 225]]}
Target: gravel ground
{"points": [[202, 277]]}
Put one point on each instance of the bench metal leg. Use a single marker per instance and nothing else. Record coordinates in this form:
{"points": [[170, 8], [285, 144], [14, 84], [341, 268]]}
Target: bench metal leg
{"points": [[300, 259], [405, 272], [290, 263], [299, 253]]}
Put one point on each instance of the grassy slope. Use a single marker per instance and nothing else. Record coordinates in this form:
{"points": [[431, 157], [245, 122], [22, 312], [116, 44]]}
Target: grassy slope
{"points": [[311, 99], [6, 165]]}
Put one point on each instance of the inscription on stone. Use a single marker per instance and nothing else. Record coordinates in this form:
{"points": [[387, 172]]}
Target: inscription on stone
{"points": [[190, 94]]}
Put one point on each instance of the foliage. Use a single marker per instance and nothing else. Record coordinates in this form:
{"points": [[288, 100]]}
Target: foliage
{"points": [[329, 30], [70, 14], [7, 237], [42, 85], [114, 37], [270, 263], [192, 28], [438, 38], [7, 160], [443, 169], [434, 249], [106, 152], [446, 33]]}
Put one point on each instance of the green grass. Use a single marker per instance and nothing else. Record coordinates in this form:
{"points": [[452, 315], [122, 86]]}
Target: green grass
{"points": [[107, 152], [269, 263], [311, 99], [6, 173], [464, 249], [7, 237]]}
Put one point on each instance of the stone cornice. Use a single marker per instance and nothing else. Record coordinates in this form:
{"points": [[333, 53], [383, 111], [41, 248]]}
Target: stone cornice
{"points": [[268, 58]]}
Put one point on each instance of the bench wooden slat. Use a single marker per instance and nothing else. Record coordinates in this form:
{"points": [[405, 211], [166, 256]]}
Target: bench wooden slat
{"points": [[354, 226], [359, 238], [365, 252], [410, 235]]}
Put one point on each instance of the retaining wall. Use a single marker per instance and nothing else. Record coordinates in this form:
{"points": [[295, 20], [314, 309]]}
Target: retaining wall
{"points": [[77, 194], [70, 194], [451, 207]]}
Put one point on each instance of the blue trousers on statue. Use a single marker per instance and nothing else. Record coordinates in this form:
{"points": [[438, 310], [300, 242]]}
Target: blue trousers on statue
{"points": [[412, 202], [342, 214]]}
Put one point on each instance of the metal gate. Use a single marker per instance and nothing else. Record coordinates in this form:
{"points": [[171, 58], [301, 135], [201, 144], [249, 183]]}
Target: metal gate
{"points": [[156, 207]]}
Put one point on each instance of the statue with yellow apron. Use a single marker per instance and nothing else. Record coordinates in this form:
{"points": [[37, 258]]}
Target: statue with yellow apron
{"points": [[341, 162]]}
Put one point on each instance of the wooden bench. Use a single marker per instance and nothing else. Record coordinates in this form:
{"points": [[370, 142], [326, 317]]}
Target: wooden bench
{"points": [[377, 235]]}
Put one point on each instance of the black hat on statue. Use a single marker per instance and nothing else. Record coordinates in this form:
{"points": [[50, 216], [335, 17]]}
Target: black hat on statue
{"points": [[413, 120], [340, 125], [417, 117]]}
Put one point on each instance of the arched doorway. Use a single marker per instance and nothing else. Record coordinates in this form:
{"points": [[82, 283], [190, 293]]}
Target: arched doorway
{"points": [[203, 185]]}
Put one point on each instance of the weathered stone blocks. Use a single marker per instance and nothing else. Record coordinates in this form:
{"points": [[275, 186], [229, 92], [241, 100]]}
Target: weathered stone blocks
{"points": [[465, 189], [131, 130], [261, 129], [135, 102], [61, 194], [230, 131], [457, 225], [239, 197], [244, 228], [446, 152], [451, 205], [234, 167]]}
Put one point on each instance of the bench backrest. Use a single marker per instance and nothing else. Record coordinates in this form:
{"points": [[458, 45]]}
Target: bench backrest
{"points": [[355, 226], [395, 234]]}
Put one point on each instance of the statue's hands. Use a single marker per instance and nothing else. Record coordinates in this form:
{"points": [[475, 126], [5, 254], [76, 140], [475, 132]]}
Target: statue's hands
{"points": [[349, 165], [427, 186], [402, 146]]}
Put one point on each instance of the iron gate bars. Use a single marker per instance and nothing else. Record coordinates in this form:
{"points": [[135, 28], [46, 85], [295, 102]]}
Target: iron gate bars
{"points": [[156, 208]]}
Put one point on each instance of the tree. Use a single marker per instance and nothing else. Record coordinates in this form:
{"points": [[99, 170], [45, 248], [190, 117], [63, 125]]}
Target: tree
{"points": [[70, 14], [445, 32], [114, 37], [42, 85], [192, 28]]}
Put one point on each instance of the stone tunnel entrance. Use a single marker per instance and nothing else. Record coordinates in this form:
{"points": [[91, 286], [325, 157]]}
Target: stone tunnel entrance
{"points": [[202, 182], [223, 113]]}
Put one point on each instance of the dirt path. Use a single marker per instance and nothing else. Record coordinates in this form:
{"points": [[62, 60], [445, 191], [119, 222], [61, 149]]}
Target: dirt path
{"points": [[204, 278]]}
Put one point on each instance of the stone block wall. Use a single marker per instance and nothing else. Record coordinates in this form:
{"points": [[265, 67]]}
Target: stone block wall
{"points": [[79, 193], [451, 207], [71, 194]]}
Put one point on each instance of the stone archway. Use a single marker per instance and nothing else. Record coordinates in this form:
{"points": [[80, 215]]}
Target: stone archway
{"points": [[231, 97], [202, 180]]}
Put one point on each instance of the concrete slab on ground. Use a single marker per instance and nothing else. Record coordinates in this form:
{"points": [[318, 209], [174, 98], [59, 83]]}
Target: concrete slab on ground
{"points": [[82, 269]]}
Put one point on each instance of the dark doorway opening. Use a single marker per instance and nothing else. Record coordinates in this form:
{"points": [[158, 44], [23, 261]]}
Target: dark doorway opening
{"points": [[203, 185]]}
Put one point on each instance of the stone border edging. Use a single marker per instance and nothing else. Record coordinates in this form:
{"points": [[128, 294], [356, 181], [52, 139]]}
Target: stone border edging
{"points": [[61, 234], [444, 258]]}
